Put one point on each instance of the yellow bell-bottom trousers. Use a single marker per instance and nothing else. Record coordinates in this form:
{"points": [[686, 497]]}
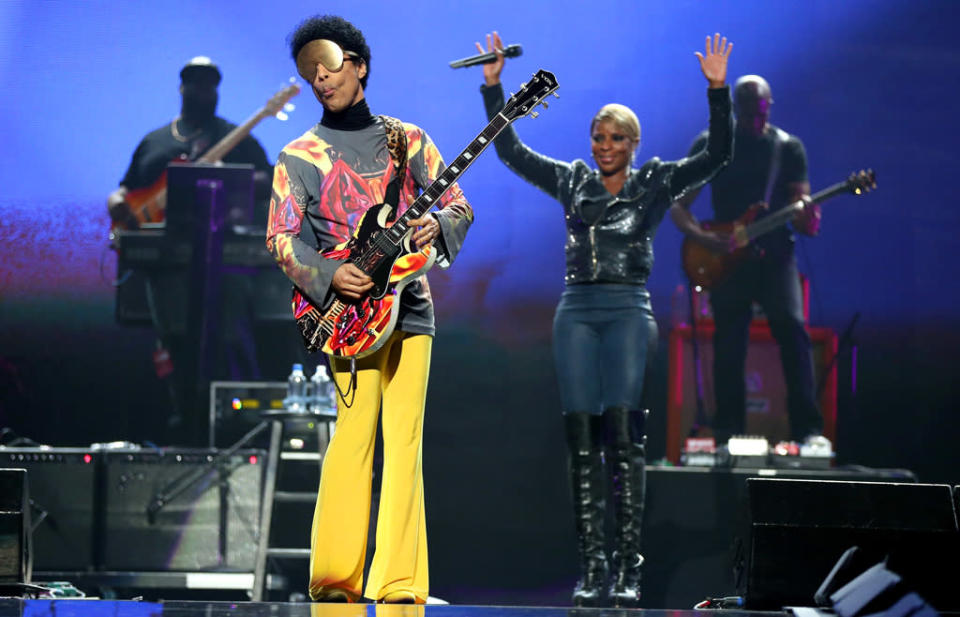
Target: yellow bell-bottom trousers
{"points": [[396, 375]]}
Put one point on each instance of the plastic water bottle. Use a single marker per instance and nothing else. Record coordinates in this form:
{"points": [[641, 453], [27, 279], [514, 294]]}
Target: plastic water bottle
{"points": [[296, 401], [322, 398]]}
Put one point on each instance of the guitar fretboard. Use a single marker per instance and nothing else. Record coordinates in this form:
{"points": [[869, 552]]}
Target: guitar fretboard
{"points": [[785, 215], [445, 180]]}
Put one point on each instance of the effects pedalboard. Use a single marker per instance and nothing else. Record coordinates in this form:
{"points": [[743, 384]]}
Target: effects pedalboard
{"points": [[753, 452]]}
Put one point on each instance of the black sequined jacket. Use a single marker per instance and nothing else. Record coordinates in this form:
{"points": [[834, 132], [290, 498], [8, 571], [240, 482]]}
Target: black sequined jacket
{"points": [[616, 245]]}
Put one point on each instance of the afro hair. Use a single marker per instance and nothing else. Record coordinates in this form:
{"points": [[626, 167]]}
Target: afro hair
{"points": [[336, 29]]}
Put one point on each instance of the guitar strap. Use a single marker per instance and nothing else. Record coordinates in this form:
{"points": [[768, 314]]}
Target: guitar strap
{"points": [[779, 138], [397, 146]]}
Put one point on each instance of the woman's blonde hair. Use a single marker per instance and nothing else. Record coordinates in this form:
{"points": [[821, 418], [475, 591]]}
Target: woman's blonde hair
{"points": [[622, 116]]}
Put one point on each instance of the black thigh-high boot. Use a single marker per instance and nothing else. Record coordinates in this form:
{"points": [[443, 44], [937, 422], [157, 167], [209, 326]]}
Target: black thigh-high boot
{"points": [[626, 460], [588, 483]]}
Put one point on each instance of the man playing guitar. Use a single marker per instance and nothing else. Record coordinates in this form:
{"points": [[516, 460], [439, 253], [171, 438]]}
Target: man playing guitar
{"points": [[324, 183], [768, 166]]}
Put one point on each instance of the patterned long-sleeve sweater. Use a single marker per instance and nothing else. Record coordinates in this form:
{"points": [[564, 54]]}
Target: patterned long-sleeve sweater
{"points": [[323, 183]]}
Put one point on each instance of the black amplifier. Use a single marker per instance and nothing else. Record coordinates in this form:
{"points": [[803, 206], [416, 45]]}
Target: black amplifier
{"points": [[181, 510], [14, 526], [141, 510], [63, 490]]}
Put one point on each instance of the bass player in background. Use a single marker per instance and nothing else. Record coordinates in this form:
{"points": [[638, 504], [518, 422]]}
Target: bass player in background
{"points": [[187, 137], [769, 166]]}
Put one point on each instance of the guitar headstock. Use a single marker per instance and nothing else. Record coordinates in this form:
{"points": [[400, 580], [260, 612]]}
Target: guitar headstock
{"points": [[275, 106], [530, 95], [862, 181]]}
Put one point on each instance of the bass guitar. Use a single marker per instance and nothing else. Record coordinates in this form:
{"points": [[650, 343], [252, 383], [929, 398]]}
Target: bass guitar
{"points": [[388, 255], [708, 268], [148, 204]]}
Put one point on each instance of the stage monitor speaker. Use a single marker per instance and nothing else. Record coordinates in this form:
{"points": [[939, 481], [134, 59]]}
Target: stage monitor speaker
{"points": [[62, 489], [798, 529], [14, 526], [181, 510], [766, 413]]}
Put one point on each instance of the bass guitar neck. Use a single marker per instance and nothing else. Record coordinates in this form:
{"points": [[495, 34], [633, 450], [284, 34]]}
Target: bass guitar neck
{"points": [[148, 204]]}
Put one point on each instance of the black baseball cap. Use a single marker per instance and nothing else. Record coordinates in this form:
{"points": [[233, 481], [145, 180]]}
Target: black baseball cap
{"points": [[197, 66]]}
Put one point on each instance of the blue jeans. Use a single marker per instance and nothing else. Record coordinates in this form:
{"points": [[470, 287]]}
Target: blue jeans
{"points": [[604, 337]]}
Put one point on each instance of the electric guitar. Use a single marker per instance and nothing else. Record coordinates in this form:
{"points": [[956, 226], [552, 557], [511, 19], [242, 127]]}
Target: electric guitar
{"points": [[708, 268], [148, 204], [387, 253]]}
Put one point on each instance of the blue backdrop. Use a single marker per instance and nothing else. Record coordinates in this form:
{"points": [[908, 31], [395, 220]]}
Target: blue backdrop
{"points": [[864, 83]]}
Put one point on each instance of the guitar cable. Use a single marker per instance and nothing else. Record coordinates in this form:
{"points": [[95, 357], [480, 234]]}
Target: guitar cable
{"points": [[351, 388]]}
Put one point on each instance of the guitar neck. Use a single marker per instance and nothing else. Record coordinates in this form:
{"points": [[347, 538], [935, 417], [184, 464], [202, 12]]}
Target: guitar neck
{"points": [[231, 139], [445, 180], [784, 215]]}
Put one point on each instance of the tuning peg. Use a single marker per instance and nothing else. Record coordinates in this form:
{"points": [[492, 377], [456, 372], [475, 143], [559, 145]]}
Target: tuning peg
{"points": [[556, 95], [534, 114], [544, 103]]}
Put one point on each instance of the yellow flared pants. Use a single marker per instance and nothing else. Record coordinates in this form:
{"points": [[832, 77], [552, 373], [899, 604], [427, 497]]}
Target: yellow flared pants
{"points": [[396, 375]]}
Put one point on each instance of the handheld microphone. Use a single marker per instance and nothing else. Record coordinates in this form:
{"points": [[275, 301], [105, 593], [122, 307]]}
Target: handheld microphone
{"points": [[510, 51]]}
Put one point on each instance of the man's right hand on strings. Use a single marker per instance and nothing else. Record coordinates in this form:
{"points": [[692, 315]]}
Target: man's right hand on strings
{"points": [[351, 282]]}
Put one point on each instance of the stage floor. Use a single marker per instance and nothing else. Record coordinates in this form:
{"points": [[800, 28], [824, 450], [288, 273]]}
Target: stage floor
{"points": [[130, 608]]}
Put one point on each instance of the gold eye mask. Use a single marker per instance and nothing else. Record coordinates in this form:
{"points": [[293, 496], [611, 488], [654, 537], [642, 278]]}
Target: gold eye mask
{"points": [[321, 51]]}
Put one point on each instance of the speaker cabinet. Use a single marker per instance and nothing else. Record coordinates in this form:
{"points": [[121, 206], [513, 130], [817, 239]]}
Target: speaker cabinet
{"points": [[181, 510], [766, 413], [14, 526], [62, 492], [798, 529], [696, 522]]}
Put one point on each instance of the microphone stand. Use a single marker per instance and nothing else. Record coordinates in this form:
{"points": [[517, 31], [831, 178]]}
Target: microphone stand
{"points": [[846, 341], [700, 420]]}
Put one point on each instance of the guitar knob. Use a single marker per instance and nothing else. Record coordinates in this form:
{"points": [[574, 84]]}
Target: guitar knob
{"points": [[555, 95], [534, 114], [544, 103]]}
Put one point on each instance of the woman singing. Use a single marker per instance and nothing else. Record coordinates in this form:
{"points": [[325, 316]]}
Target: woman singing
{"points": [[604, 333]]}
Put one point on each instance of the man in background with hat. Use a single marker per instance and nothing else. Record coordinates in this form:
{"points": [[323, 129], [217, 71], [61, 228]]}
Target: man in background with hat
{"points": [[187, 137]]}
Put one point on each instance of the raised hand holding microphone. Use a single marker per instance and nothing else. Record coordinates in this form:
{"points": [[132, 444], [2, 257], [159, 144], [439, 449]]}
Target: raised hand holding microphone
{"points": [[491, 71]]}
